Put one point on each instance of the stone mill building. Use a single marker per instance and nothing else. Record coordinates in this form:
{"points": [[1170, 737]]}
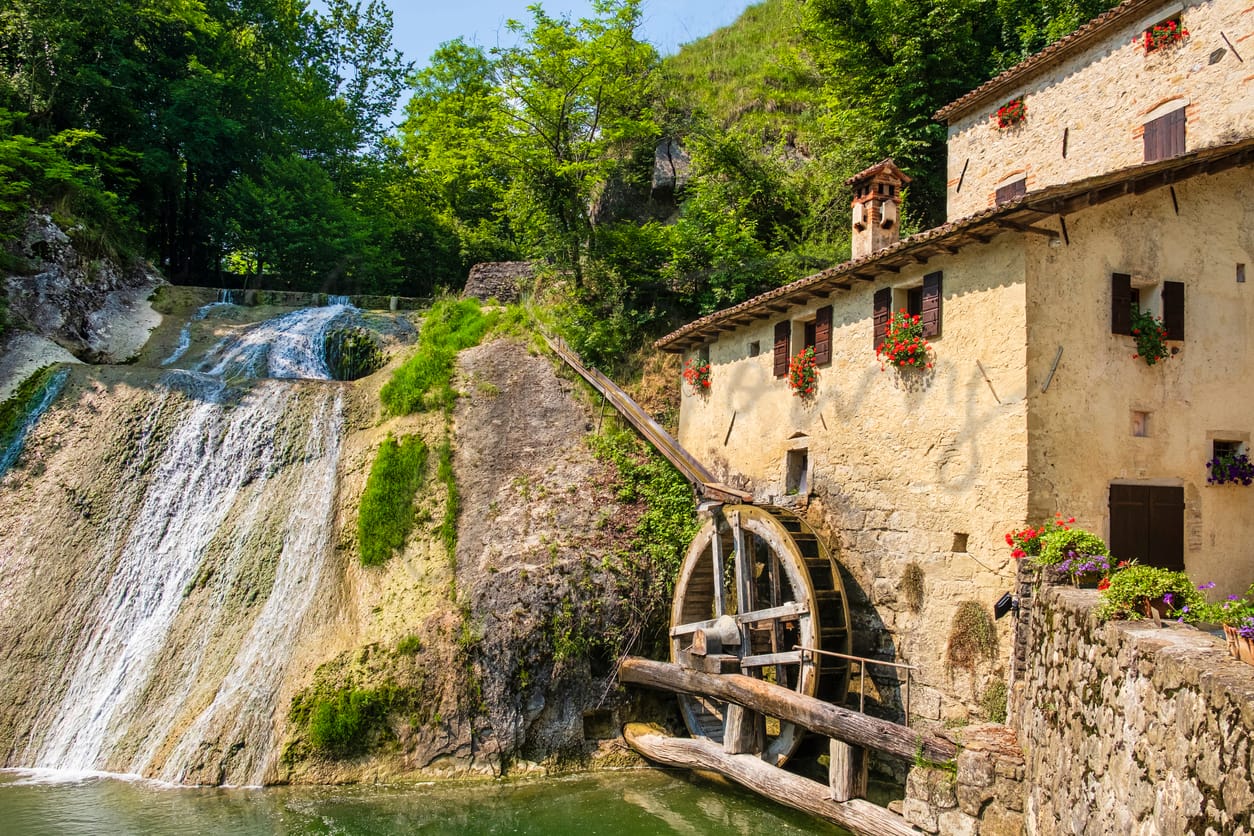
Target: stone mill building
{"points": [[1124, 179]]}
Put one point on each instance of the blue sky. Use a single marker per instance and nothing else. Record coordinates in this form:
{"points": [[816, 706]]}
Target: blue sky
{"points": [[422, 25]]}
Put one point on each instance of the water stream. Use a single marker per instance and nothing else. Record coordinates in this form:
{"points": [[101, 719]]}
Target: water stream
{"points": [[45, 398]]}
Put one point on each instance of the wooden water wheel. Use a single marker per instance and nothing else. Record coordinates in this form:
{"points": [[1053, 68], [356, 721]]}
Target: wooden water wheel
{"points": [[756, 584]]}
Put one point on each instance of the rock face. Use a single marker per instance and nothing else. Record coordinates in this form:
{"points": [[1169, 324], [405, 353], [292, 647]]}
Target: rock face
{"points": [[92, 308], [499, 280]]}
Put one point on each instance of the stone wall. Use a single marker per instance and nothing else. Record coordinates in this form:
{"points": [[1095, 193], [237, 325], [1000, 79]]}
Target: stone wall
{"points": [[982, 794], [1132, 728], [1086, 111]]}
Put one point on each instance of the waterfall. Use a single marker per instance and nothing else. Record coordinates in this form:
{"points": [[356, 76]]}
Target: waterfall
{"points": [[339, 300], [185, 335], [289, 346], [213, 551], [51, 389]]}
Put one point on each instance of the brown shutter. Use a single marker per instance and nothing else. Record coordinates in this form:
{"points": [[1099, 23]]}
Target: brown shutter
{"points": [[1153, 151], [1129, 522], [1011, 191], [1164, 136], [930, 310], [1166, 528], [1173, 309], [783, 334], [1120, 303], [823, 335], [883, 309]]}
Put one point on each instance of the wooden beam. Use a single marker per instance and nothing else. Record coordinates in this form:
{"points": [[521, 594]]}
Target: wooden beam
{"points": [[744, 731], [752, 772], [776, 701], [1021, 227], [762, 660]]}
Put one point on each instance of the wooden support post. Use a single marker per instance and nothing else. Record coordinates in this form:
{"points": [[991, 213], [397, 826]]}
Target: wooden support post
{"points": [[847, 771], [744, 731]]}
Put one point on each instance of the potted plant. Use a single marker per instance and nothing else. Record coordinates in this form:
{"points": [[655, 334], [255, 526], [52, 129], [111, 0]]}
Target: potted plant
{"points": [[803, 373], [1230, 469], [1027, 542], [1162, 35], [1235, 614], [1138, 591], [1011, 114], [903, 345], [1073, 554], [1150, 336], [697, 373]]}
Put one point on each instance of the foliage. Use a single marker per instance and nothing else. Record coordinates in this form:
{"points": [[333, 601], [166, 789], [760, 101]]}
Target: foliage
{"points": [[387, 504], [697, 374], [903, 346], [346, 721], [409, 645], [1027, 542], [1011, 114], [1163, 35], [1234, 611], [1132, 590], [993, 701], [1230, 469], [803, 373], [1150, 336], [667, 524], [452, 504], [972, 636], [912, 586], [425, 381], [1063, 544], [351, 353]]}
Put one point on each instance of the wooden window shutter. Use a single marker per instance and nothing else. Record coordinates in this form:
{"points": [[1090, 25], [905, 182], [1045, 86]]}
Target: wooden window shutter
{"points": [[1173, 309], [1129, 522], [1164, 136], [823, 335], [883, 309], [783, 335], [1011, 191], [1120, 303], [930, 311], [1166, 527], [1147, 524]]}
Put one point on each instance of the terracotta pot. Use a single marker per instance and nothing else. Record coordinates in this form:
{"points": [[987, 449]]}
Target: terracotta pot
{"points": [[1239, 646]]}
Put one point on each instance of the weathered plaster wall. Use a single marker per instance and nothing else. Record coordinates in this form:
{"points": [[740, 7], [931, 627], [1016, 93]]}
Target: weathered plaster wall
{"points": [[1080, 430], [1102, 99], [903, 466], [1130, 728]]}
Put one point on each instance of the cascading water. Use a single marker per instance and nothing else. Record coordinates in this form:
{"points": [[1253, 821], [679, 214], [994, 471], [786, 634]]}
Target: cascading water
{"points": [[9, 454], [205, 568], [185, 335]]}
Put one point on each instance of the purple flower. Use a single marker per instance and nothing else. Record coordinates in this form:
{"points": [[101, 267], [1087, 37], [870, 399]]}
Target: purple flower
{"points": [[1169, 599], [1234, 597], [1208, 585]]}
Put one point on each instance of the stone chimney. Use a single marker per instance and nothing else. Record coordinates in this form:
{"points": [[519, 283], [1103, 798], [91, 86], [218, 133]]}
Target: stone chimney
{"points": [[876, 201]]}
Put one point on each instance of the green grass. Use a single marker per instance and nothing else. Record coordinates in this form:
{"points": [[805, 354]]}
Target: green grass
{"points": [[409, 645], [387, 504], [347, 721], [448, 527], [425, 382]]}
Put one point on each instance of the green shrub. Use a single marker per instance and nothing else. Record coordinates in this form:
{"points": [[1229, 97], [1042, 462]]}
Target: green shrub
{"points": [[993, 702], [351, 353], [425, 381], [409, 645], [343, 722], [1057, 542], [1132, 590], [387, 504]]}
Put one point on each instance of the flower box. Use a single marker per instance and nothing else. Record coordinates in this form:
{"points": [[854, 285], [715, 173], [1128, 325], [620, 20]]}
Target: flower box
{"points": [[1230, 469], [1011, 114], [803, 373], [1169, 33], [697, 373]]}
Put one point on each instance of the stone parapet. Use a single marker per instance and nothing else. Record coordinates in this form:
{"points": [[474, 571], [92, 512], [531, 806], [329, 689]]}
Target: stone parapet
{"points": [[1128, 727], [983, 794]]}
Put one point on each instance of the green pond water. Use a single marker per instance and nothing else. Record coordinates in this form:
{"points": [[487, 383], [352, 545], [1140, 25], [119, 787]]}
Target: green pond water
{"points": [[634, 802]]}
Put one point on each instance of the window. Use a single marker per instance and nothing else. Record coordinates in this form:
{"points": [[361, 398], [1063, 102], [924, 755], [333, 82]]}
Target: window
{"points": [[1147, 524], [797, 473], [1164, 34], [1011, 191], [1129, 294], [1221, 448], [755, 348], [922, 300], [815, 333], [780, 358], [1164, 136]]}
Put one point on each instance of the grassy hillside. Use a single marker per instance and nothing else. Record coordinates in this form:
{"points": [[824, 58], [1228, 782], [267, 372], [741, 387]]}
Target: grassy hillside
{"points": [[750, 77]]}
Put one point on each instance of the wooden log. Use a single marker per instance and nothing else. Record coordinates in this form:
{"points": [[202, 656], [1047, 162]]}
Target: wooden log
{"points": [[749, 771], [847, 770], [744, 731], [713, 663], [774, 701]]}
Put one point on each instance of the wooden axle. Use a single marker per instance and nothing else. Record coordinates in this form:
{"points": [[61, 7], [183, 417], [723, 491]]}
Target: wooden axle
{"points": [[751, 771], [787, 705]]}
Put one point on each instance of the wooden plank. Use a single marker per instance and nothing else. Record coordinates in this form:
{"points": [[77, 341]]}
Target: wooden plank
{"points": [[762, 660], [847, 770], [790, 609], [749, 771], [744, 731], [773, 701]]}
